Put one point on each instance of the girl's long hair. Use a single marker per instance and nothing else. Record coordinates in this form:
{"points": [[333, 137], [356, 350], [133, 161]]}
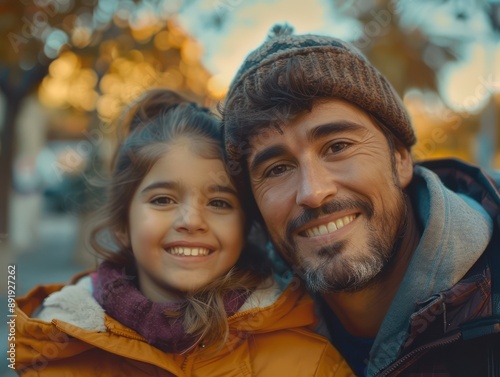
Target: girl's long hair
{"points": [[155, 120]]}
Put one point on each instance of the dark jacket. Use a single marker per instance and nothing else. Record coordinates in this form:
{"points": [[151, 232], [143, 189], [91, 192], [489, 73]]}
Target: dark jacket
{"points": [[457, 331]]}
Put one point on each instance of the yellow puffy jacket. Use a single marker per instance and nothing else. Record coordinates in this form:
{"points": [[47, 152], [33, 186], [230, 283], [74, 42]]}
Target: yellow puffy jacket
{"points": [[270, 336]]}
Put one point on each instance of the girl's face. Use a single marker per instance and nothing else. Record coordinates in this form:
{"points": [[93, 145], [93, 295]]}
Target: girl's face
{"points": [[186, 223]]}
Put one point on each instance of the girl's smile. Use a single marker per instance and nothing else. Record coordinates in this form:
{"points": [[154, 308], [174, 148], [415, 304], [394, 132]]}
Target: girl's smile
{"points": [[189, 249]]}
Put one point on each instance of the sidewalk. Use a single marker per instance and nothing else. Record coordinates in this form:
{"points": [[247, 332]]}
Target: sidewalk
{"points": [[50, 260]]}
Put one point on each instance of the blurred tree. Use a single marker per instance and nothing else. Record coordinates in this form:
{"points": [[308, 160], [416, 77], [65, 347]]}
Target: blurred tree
{"points": [[20, 71], [89, 57], [413, 43], [470, 31]]}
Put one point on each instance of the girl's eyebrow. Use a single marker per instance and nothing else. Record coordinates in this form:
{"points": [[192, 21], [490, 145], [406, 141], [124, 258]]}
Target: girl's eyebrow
{"points": [[169, 185], [221, 188], [160, 184]]}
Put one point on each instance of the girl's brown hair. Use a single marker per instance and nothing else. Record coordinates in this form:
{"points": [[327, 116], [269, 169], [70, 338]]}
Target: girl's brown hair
{"points": [[159, 117]]}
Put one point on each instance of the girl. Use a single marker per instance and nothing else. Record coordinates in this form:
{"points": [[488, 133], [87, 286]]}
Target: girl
{"points": [[181, 290]]}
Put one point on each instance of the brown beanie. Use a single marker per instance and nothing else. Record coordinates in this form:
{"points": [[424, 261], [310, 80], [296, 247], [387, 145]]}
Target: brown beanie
{"points": [[335, 68]]}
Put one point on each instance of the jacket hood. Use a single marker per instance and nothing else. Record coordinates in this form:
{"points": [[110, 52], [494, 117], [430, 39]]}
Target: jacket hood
{"points": [[40, 342], [457, 230], [272, 309]]}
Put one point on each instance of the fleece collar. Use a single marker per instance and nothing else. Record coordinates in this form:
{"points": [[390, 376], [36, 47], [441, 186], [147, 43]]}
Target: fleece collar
{"points": [[76, 305], [456, 232]]}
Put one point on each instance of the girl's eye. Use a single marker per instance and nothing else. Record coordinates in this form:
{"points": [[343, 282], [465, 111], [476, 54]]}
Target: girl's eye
{"points": [[277, 170], [161, 200], [219, 203], [339, 146]]}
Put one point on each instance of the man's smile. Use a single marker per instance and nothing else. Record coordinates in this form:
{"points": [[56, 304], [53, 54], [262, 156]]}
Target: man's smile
{"points": [[329, 227]]}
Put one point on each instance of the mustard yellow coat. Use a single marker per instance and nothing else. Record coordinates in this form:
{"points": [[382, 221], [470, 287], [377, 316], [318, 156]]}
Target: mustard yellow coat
{"points": [[274, 340]]}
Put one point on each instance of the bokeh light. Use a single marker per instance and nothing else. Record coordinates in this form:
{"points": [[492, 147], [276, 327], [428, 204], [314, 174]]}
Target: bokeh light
{"points": [[467, 85]]}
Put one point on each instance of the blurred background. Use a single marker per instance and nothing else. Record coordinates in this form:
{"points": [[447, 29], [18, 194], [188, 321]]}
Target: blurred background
{"points": [[67, 67]]}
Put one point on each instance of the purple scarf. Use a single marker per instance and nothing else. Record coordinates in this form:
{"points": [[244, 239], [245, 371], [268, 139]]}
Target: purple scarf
{"points": [[118, 294]]}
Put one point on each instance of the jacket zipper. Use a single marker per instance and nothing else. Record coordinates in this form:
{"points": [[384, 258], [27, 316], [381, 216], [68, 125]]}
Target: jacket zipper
{"points": [[183, 365], [421, 349], [248, 312]]}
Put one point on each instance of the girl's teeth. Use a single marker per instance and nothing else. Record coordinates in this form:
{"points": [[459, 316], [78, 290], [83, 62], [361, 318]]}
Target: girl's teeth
{"points": [[188, 251]]}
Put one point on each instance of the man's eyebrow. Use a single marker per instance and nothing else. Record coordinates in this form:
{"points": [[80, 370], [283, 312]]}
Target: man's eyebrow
{"points": [[315, 133], [267, 154], [326, 129], [160, 184], [222, 188]]}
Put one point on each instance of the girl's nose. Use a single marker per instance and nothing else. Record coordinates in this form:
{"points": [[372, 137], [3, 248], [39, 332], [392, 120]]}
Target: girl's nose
{"points": [[190, 219]]}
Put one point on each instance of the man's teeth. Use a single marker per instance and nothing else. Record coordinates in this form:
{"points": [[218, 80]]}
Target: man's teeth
{"points": [[188, 251], [331, 227]]}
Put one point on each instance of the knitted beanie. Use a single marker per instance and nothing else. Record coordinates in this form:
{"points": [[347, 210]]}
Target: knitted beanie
{"points": [[335, 68]]}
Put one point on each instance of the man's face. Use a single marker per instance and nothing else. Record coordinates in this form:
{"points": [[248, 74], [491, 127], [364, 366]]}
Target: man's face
{"points": [[330, 192]]}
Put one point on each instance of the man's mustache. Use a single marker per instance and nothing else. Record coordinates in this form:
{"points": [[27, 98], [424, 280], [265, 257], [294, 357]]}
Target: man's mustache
{"points": [[333, 206]]}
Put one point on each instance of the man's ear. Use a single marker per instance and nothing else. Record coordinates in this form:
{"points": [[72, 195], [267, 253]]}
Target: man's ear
{"points": [[404, 165]]}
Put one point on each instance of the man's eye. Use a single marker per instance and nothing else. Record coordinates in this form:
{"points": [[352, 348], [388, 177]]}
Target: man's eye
{"points": [[161, 200], [338, 146], [218, 203], [277, 170]]}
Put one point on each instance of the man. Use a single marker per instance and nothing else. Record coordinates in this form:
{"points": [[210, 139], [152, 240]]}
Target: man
{"points": [[401, 257]]}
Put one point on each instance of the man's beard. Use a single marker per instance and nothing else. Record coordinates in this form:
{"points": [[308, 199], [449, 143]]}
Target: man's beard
{"points": [[349, 274], [337, 270]]}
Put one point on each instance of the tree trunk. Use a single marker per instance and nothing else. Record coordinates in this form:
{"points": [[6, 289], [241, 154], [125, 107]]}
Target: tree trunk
{"points": [[12, 104], [15, 84]]}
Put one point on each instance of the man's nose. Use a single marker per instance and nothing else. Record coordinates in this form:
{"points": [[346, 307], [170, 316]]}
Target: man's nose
{"points": [[316, 185]]}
